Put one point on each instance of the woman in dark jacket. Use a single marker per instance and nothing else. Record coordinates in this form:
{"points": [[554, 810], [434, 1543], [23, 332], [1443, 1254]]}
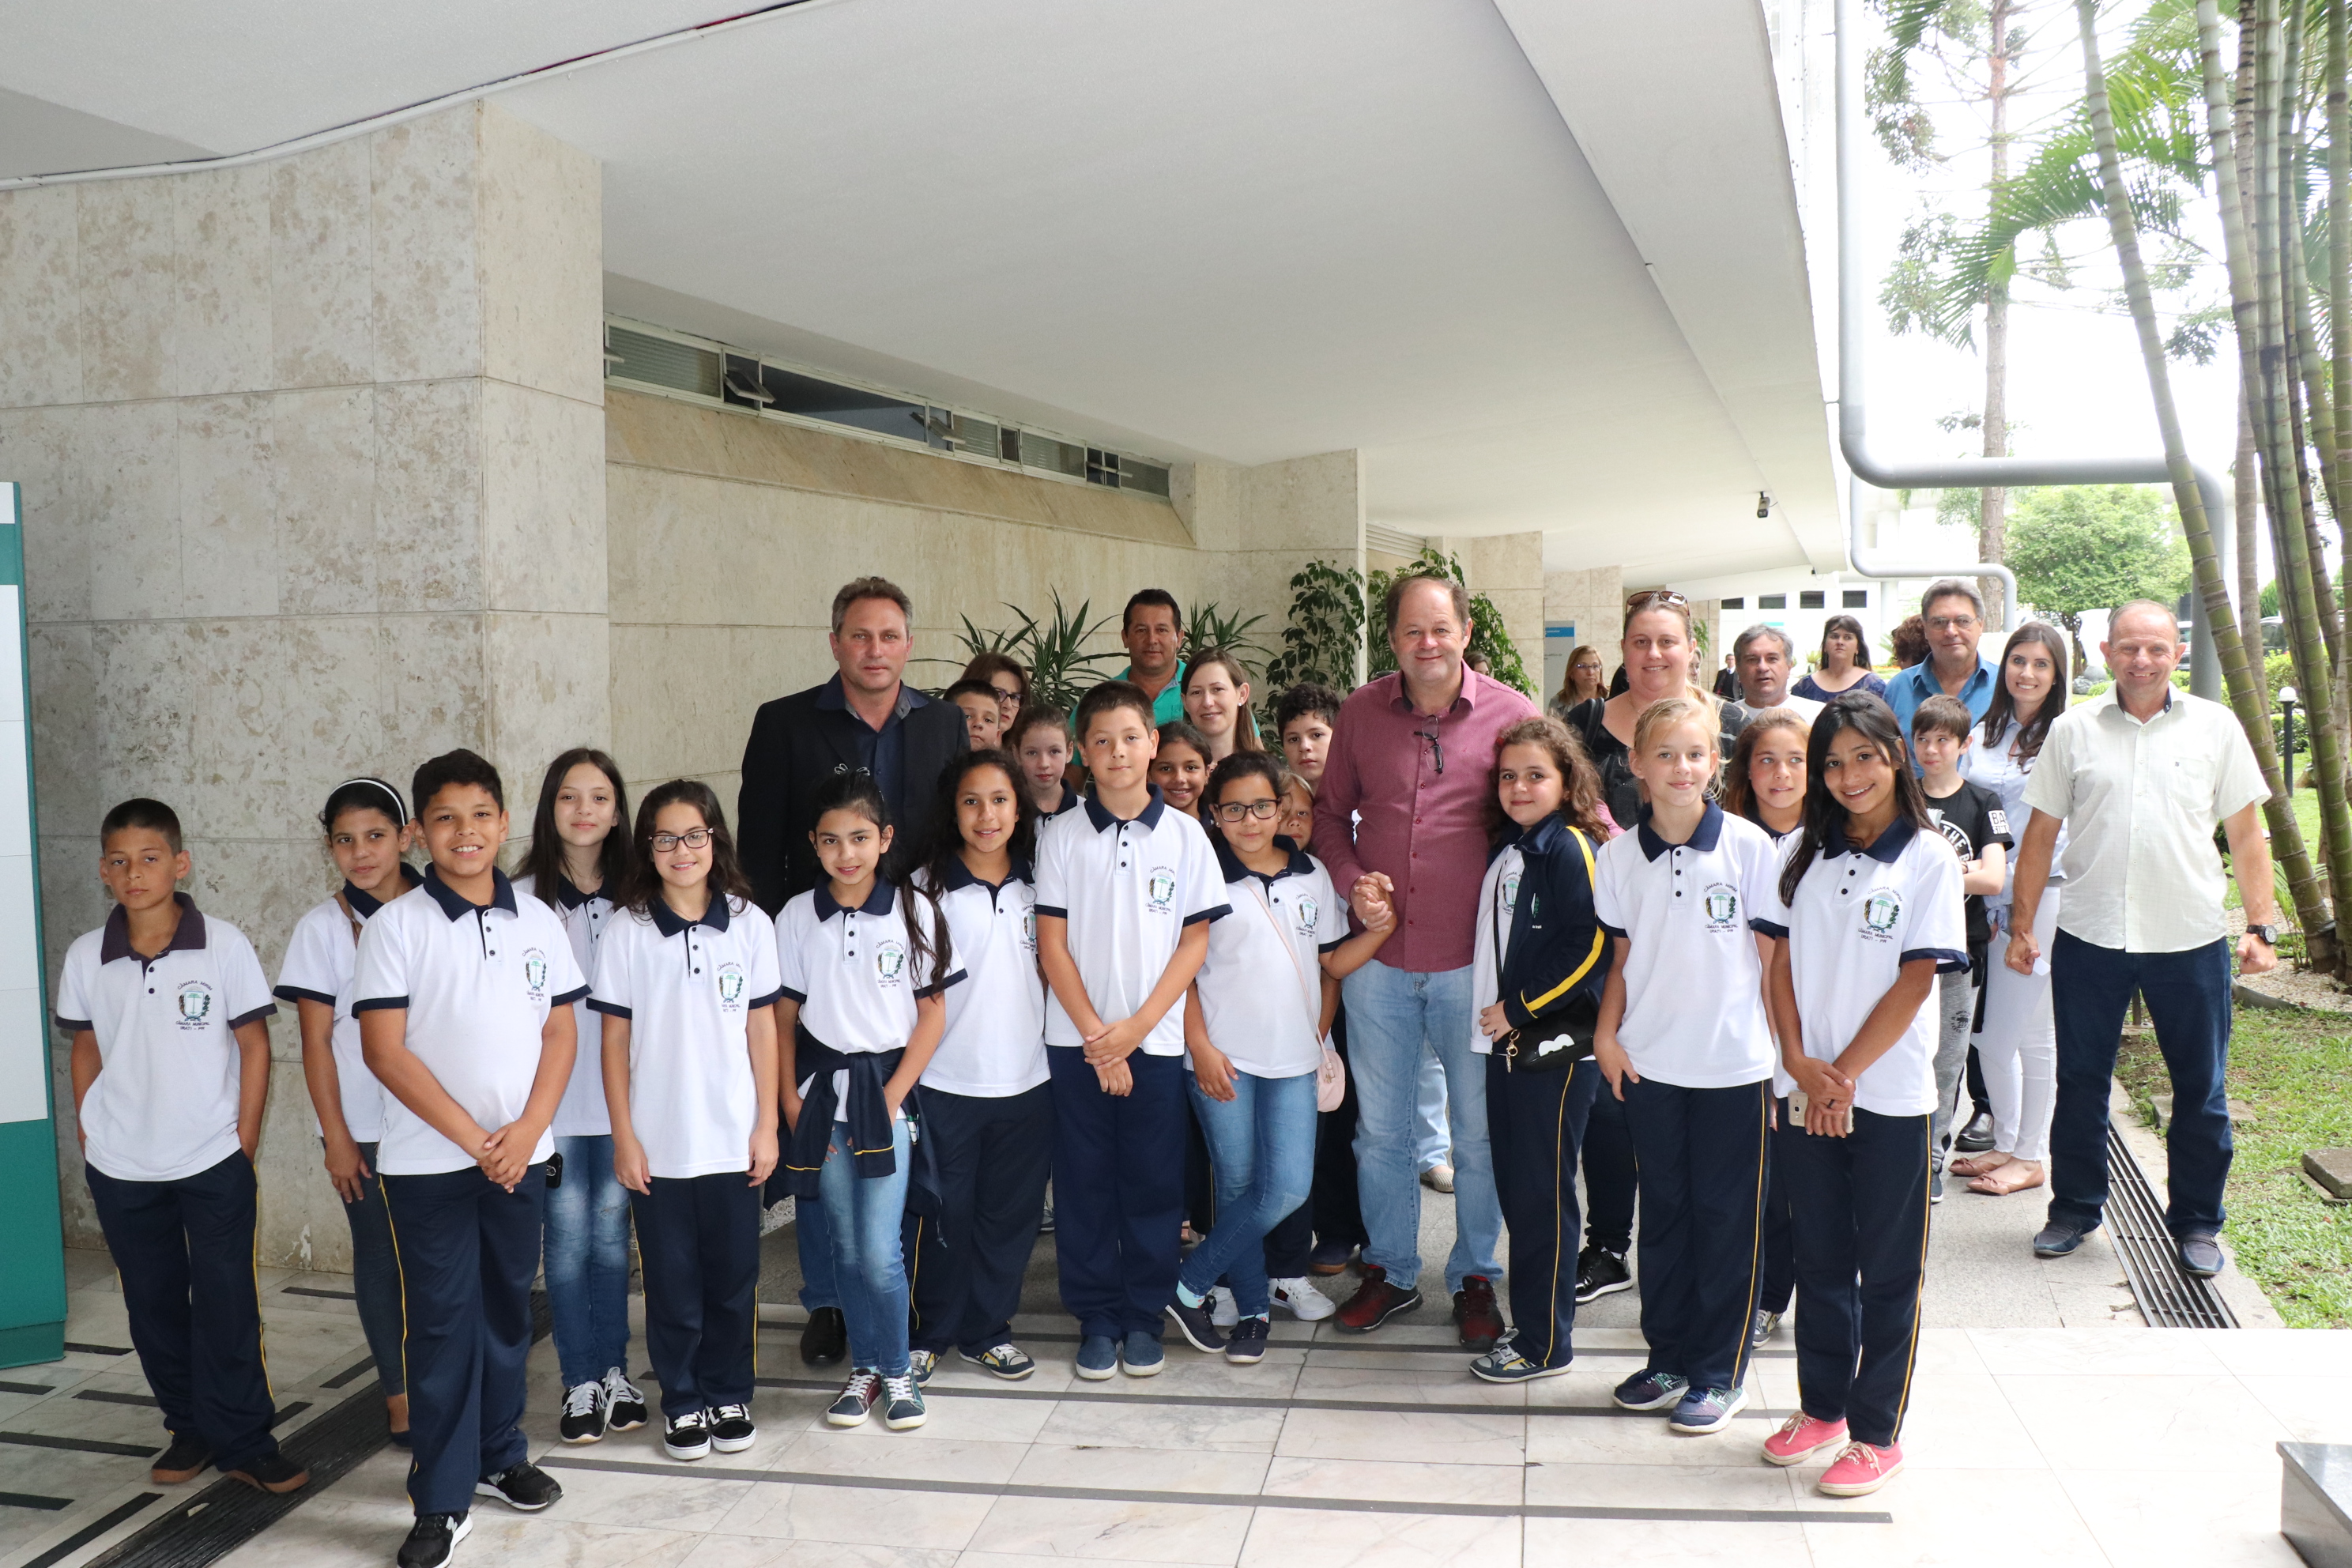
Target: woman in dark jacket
{"points": [[1540, 961]]}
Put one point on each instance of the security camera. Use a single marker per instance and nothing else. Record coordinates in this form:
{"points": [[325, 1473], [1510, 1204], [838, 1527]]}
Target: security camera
{"points": [[1763, 504]]}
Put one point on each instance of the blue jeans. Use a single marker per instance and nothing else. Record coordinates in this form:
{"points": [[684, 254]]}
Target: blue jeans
{"points": [[812, 1238], [1394, 1014], [1429, 1111], [375, 1277], [588, 1262], [863, 1214], [2188, 1001], [1262, 1154]]}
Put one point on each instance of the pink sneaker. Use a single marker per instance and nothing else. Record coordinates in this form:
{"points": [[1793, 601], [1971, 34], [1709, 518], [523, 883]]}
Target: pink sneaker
{"points": [[1862, 1470], [1802, 1437]]}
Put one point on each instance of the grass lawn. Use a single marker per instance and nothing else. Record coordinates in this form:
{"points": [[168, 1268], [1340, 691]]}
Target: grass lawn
{"points": [[2292, 1068]]}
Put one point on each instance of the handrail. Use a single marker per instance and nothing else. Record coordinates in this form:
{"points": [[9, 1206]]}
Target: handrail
{"points": [[1967, 473]]}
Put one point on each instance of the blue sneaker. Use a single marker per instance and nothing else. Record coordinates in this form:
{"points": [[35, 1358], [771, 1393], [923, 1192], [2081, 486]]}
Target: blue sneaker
{"points": [[2057, 1239], [1097, 1357], [1141, 1357], [1704, 1410], [1504, 1363], [1647, 1390]]}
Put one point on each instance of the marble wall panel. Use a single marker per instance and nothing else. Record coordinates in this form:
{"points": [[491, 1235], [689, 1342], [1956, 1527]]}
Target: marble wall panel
{"points": [[39, 450], [125, 286], [435, 692], [682, 704], [543, 532], [425, 235], [40, 329], [69, 728], [549, 678], [428, 495], [221, 276], [541, 213], [325, 445], [127, 456], [321, 284], [228, 511]]}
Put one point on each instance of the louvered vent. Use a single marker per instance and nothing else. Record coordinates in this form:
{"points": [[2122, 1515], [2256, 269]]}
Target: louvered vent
{"points": [[662, 361]]}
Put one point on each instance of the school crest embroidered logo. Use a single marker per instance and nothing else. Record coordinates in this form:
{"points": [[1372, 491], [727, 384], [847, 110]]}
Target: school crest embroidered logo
{"points": [[730, 986], [534, 972], [889, 963], [196, 1004], [1303, 913], [1880, 911], [1029, 927], [1160, 895], [1510, 893], [1722, 904]]}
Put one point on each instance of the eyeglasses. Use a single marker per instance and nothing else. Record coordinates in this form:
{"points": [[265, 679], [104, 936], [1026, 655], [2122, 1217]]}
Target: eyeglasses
{"points": [[1264, 810], [1951, 623], [1436, 750], [693, 838]]}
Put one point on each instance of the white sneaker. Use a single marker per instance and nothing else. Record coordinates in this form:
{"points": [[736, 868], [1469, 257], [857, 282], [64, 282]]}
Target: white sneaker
{"points": [[1223, 1310], [1301, 1299]]}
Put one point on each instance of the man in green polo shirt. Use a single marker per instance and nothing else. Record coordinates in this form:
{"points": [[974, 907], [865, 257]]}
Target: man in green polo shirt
{"points": [[1152, 630]]}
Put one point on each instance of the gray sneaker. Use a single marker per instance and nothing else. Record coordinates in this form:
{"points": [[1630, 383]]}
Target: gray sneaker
{"points": [[920, 1364]]}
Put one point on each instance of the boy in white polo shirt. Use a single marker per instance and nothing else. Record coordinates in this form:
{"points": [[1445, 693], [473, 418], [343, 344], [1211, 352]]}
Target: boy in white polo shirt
{"points": [[170, 1069], [1126, 887], [463, 995]]}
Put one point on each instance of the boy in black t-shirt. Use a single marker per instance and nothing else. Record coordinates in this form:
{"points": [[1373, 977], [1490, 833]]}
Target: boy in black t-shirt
{"points": [[1971, 818]]}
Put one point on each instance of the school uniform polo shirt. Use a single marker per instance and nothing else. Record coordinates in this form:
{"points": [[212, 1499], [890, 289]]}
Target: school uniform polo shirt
{"points": [[853, 973], [1498, 906], [1262, 984], [320, 957], [163, 1106], [688, 989], [1693, 985], [995, 1040], [587, 917], [1128, 890], [1860, 915], [477, 982]]}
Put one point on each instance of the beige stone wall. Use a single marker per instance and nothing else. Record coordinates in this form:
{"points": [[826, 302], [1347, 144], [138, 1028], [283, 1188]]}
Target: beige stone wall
{"points": [[312, 467], [1592, 599], [729, 534], [1508, 569]]}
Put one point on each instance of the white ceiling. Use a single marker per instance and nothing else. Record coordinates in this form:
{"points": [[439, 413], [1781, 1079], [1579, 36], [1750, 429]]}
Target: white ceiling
{"points": [[1537, 258]]}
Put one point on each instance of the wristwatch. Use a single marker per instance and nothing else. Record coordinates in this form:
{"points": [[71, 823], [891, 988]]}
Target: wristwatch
{"points": [[2267, 934]]}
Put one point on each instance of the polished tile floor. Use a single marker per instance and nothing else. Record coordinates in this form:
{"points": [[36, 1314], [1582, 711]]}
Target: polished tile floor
{"points": [[2080, 1445]]}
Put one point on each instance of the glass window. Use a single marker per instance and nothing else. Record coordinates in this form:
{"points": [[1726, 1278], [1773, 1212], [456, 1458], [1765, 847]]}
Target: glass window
{"points": [[836, 405], [1812, 599], [1739, 604], [1857, 598], [1771, 601]]}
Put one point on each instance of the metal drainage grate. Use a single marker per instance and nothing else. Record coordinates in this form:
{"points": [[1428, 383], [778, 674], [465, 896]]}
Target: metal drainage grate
{"points": [[2168, 1298]]}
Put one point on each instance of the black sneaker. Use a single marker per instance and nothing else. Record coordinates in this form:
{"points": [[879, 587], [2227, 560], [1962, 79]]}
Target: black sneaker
{"points": [[687, 1436], [433, 1540], [624, 1403], [274, 1473], [525, 1487], [583, 1414], [731, 1430], [1601, 1272], [1247, 1345], [184, 1460], [1196, 1325]]}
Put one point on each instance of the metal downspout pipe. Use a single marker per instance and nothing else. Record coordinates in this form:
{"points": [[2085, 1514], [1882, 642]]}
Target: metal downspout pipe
{"points": [[1966, 473]]}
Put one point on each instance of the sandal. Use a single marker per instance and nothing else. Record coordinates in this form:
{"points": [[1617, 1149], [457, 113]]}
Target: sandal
{"points": [[1980, 1164], [2007, 1179]]}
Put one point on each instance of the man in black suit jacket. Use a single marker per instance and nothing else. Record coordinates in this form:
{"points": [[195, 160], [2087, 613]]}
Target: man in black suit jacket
{"points": [[863, 716]]}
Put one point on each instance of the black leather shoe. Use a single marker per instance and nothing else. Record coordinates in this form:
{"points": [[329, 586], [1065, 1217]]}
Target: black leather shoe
{"points": [[274, 1473], [2200, 1256], [184, 1460], [825, 1341], [1976, 1136], [2057, 1238]]}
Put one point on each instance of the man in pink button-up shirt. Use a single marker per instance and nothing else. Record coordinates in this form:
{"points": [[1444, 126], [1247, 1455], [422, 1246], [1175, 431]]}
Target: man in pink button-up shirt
{"points": [[1403, 800]]}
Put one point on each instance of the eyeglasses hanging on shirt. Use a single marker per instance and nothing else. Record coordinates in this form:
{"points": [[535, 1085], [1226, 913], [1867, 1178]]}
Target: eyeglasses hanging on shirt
{"points": [[1436, 749]]}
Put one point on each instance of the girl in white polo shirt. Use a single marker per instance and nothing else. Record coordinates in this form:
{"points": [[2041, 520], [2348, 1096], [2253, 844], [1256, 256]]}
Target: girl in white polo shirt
{"points": [[367, 829], [580, 854], [1684, 1042], [1870, 909], [862, 1013], [1256, 1024], [988, 1103], [687, 982]]}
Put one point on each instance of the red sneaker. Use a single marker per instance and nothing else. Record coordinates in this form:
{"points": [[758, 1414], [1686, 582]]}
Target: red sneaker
{"points": [[1375, 1302], [1862, 1470], [1802, 1437], [1476, 1314]]}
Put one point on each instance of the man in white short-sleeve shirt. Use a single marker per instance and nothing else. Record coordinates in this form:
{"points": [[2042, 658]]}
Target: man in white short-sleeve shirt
{"points": [[2141, 775]]}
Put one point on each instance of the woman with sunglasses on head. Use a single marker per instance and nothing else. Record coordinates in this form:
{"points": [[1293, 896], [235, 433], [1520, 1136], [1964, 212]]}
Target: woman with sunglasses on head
{"points": [[1844, 664], [1659, 653]]}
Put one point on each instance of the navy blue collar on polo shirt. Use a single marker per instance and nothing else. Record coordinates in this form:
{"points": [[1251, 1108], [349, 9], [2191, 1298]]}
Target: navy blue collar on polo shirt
{"points": [[1886, 848], [569, 895], [878, 902], [669, 922], [189, 936], [1702, 838], [1149, 817], [457, 906], [365, 905], [1230, 866], [959, 875]]}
